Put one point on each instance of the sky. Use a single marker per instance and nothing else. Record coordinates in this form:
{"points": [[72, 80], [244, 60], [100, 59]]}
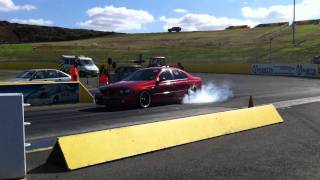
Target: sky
{"points": [[140, 16]]}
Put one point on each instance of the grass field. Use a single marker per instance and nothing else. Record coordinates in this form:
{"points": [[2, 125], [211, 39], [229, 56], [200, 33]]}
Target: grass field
{"points": [[8, 74], [212, 47]]}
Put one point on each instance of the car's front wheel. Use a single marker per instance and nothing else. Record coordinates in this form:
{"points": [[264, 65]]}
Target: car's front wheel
{"points": [[192, 90], [144, 99]]}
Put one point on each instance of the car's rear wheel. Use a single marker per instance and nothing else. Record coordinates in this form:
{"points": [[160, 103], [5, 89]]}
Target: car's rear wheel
{"points": [[144, 99]]}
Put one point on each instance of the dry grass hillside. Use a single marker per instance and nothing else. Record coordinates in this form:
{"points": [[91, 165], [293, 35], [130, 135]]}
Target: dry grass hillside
{"points": [[228, 46]]}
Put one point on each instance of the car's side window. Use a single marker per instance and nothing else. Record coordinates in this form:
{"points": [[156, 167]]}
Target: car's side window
{"points": [[71, 61], [40, 75], [166, 75], [51, 74], [66, 61], [179, 74]]}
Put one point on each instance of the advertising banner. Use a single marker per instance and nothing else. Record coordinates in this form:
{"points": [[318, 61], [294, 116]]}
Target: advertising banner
{"points": [[45, 94], [302, 70]]}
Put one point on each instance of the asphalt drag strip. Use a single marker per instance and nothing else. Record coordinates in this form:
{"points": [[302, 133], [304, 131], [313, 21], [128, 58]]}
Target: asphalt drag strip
{"points": [[55, 121], [289, 150], [48, 143]]}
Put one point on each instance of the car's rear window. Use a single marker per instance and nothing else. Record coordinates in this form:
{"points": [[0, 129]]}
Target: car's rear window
{"points": [[166, 75], [51, 74], [60, 74], [179, 74]]}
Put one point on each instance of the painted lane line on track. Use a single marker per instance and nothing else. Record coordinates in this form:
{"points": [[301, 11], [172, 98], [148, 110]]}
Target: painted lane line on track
{"points": [[39, 150], [41, 145], [296, 102]]}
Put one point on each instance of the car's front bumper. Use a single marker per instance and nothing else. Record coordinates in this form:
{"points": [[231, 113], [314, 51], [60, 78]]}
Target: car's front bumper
{"points": [[101, 99], [89, 73]]}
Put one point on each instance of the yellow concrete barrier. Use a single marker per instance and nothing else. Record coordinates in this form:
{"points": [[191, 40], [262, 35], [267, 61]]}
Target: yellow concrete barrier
{"points": [[84, 94], [78, 151], [219, 68]]}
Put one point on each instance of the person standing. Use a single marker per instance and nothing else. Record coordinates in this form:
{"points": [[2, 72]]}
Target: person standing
{"points": [[179, 65], [103, 76], [74, 71]]}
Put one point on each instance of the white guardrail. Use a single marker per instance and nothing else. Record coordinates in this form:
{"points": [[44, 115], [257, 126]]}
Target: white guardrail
{"points": [[12, 136], [302, 70]]}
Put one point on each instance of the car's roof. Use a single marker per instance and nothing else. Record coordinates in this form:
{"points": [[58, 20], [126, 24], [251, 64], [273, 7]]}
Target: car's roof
{"points": [[80, 57], [42, 69], [152, 68], [158, 57], [131, 66], [162, 67]]}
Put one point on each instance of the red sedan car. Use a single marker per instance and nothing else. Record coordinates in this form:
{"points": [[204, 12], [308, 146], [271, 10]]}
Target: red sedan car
{"points": [[149, 86]]}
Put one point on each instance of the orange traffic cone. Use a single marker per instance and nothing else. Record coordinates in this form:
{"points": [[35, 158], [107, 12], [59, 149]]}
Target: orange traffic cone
{"points": [[250, 102]]}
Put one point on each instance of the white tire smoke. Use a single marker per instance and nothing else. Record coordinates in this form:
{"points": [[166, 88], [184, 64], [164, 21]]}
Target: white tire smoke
{"points": [[209, 93]]}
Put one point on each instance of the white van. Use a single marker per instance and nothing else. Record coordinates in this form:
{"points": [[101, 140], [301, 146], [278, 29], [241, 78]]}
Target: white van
{"points": [[86, 65]]}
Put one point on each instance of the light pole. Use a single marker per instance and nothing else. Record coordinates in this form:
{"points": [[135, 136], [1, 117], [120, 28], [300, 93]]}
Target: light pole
{"points": [[294, 23]]}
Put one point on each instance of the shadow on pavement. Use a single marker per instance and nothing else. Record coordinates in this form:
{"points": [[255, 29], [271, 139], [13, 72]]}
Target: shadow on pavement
{"points": [[47, 168], [122, 108], [104, 109]]}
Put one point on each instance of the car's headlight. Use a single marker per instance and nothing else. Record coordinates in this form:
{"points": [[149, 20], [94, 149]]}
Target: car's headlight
{"points": [[126, 91]]}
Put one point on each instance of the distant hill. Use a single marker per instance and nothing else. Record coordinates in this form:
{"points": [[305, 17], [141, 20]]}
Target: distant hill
{"points": [[23, 33]]}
